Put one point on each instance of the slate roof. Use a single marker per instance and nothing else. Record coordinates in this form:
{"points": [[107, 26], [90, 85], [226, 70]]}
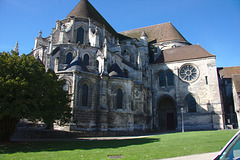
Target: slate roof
{"points": [[84, 9], [160, 33], [182, 53], [115, 71], [236, 81], [228, 72], [76, 65]]}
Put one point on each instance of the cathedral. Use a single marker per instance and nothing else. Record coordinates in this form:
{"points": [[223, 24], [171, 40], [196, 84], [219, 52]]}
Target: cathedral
{"points": [[144, 79]]}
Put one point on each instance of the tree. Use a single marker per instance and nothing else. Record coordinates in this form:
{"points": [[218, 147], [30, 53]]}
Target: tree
{"points": [[28, 91]]}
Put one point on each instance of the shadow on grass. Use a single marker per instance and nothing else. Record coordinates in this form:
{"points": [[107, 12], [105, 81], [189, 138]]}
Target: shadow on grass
{"points": [[13, 147]]}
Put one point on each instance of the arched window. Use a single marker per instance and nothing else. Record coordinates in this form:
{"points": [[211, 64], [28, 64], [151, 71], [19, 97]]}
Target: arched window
{"points": [[119, 98], [84, 95], [80, 35], [192, 105], [86, 59], [162, 79], [170, 78], [69, 58]]}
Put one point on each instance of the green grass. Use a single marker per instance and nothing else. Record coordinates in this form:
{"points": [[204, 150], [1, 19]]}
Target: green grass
{"points": [[153, 147]]}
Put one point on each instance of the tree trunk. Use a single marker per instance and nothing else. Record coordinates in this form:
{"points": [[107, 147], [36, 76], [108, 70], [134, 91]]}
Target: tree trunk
{"points": [[8, 126]]}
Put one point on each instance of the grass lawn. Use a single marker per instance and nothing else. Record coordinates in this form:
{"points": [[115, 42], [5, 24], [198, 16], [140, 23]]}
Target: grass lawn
{"points": [[153, 147]]}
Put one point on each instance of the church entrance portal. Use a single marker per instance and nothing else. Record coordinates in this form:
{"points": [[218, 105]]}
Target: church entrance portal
{"points": [[167, 114]]}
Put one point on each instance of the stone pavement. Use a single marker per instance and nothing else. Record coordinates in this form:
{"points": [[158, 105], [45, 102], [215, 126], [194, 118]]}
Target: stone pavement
{"points": [[204, 156]]}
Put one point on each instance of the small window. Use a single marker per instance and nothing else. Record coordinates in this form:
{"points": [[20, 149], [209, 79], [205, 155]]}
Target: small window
{"points": [[86, 59], [119, 98], [162, 80], [170, 78], [84, 95], [206, 79], [80, 35], [69, 58], [192, 105]]}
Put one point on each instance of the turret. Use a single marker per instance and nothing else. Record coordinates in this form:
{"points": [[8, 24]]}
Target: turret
{"points": [[144, 39], [94, 36], [37, 39]]}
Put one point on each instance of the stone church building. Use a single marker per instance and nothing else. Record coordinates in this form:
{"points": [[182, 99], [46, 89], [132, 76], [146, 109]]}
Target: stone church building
{"points": [[141, 79]]}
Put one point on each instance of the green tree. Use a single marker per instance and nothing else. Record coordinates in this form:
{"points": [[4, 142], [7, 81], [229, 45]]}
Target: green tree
{"points": [[28, 91]]}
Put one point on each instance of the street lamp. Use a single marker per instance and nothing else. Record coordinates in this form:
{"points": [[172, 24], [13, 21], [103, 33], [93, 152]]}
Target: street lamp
{"points": [[182, 120]]}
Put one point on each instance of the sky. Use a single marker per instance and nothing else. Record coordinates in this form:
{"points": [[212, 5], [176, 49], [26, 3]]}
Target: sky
{"points": [[213, 24]]}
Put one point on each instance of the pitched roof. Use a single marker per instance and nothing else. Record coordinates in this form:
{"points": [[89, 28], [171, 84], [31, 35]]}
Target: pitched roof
{"points": [[160, 33], [77, 65], [115, 71], [236, 80], [228, 72], [84, 9], [183, 53]]}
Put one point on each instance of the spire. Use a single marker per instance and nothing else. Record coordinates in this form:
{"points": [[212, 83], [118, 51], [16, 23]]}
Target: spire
{"points": [[84, 9], [16, 48]]}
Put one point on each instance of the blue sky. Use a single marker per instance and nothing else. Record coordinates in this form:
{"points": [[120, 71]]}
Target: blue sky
{"points": [[214, 24]]}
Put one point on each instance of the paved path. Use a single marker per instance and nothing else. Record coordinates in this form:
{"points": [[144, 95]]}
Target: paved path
{"points": [[204, 156]]}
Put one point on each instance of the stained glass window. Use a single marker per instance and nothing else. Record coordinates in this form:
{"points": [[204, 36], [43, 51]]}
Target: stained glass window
{"points": [[170, 78], [86, 59], [69, 58], [84, 95], [188, 73], [80, 35], [119, 98], [162, 79]]}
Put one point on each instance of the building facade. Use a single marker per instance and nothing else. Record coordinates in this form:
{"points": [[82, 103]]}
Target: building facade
{"points": [[141, 79], [229, 82]]}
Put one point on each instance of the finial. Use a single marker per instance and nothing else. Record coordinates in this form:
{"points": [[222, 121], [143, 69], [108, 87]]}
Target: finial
{"points": [[40, 33], [16, 48], [144, 34]]}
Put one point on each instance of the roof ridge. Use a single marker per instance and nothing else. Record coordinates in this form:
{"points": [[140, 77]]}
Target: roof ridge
{"points": [[159, 32], [232, 67], [147, 26]]}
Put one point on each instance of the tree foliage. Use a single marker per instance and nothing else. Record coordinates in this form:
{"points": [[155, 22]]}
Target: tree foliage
{"points": [[28, 91]]}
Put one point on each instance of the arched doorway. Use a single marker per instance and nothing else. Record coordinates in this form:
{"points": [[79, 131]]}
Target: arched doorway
{"points": [[167, 114]]}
